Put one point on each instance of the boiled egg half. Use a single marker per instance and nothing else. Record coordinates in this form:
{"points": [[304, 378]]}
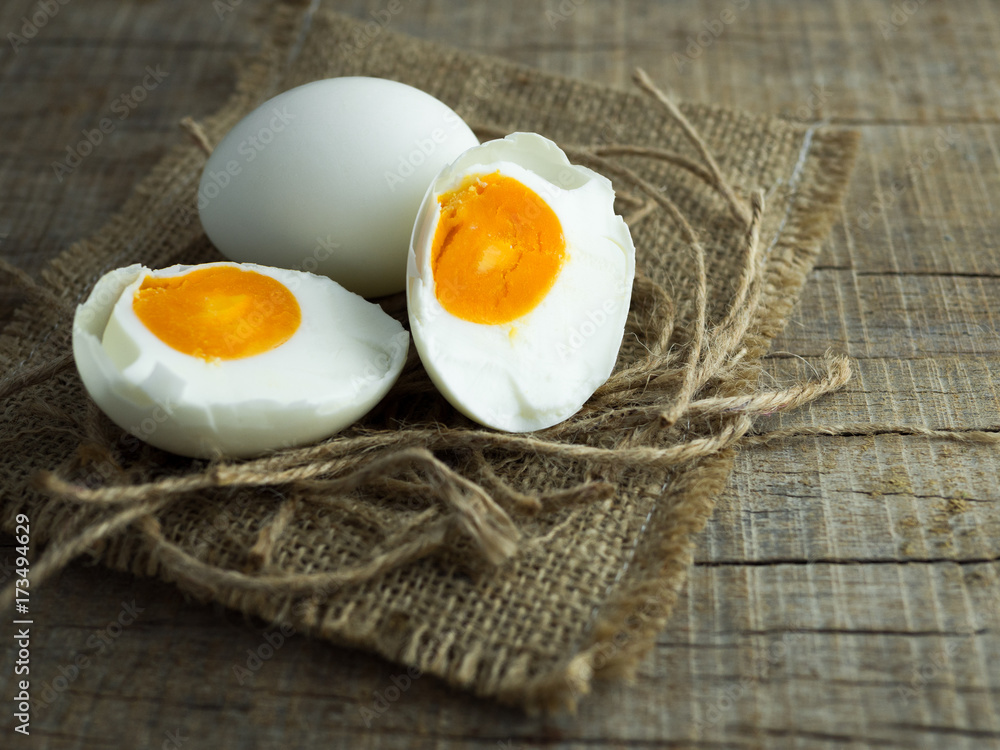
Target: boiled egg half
{"points": [[519, 280], [234, 360]]}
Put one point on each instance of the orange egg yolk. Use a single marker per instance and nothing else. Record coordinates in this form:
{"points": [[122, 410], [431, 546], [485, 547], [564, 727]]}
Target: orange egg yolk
{"points": [[219, 312], [497, 250]]}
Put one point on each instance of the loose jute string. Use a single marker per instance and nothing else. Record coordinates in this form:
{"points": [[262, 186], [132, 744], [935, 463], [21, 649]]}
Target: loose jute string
{"points": [[665, 410]]}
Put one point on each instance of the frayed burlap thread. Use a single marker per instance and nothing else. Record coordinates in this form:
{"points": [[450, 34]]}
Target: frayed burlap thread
{"points": [[516, 566]]}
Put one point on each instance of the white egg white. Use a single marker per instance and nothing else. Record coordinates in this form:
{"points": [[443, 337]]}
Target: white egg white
{"points": [[342, 359], [539, 369]]}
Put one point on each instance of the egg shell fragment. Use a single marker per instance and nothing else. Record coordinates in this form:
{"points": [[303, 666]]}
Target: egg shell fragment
{"points": [[327, 177], [343, 358], [539, 369]]}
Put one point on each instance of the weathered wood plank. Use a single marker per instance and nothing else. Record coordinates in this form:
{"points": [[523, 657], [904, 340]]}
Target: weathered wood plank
{"points": [[81, 67], [922, 202], [717, 668], [846, 591], [940, 392], [858, 500], [909, 316]]}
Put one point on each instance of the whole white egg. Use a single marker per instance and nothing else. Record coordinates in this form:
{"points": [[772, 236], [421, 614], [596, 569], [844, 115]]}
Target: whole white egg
{"points": [[227, 359], [519, 283], [327, 177]]}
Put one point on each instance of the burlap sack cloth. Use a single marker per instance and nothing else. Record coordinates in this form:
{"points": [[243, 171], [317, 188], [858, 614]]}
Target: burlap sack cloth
{"points": [[515, 566]]}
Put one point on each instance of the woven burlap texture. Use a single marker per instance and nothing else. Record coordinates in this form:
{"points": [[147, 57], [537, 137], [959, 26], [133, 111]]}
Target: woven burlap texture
{"points": [[518, 567]]}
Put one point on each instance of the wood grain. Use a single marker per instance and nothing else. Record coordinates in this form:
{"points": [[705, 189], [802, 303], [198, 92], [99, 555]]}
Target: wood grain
{"points": [[845, 592]]}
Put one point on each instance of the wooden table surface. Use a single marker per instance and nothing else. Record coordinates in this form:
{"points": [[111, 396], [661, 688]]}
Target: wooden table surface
{"points": [[845, 592]]}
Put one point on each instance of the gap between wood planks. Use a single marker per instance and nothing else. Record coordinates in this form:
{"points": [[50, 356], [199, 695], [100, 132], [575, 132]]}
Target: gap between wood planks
{"points": [[775, 561]]}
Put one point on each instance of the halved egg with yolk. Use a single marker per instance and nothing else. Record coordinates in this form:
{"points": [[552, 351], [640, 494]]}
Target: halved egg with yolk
{"points": [[228, 359], [519, 280]]}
